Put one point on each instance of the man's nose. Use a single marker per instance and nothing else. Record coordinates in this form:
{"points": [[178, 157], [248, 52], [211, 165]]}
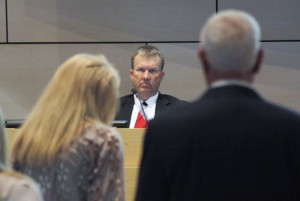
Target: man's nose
{"points": [[146, 75]]}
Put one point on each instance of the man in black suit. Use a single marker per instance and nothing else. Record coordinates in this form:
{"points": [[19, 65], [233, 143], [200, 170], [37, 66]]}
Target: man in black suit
{"points": [[230, 144], [146, 74]]}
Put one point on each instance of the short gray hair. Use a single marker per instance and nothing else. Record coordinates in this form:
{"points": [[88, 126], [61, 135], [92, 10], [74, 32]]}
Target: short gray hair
{"points": [[231, 40]]}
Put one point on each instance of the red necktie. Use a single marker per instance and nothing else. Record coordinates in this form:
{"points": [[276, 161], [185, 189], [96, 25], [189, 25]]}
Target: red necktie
{"points": [[140, 122]]}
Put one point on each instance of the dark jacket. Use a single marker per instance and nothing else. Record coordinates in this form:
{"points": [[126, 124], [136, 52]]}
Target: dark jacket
{"points": [[229, 145]]}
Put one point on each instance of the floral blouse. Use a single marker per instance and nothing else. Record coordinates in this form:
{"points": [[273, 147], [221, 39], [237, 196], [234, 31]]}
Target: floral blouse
{"points": [[91, 171]]}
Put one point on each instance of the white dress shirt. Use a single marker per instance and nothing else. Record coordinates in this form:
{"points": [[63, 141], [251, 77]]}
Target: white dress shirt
{"points": [[149, 109]]}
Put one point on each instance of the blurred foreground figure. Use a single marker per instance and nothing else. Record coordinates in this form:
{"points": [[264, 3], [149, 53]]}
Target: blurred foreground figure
{"points": [[14, 186], [231, 144], [67, 143]]}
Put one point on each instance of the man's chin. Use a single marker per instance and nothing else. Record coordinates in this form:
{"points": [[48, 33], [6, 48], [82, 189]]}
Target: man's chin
{"points": [[145, 89], [145, 92]]}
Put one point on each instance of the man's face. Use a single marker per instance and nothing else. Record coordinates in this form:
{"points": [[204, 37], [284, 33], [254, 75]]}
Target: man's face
{"points": [[146, 75]]}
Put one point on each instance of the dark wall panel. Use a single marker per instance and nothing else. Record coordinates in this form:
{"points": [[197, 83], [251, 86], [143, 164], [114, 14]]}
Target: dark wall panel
{"points": [[279, 77], [2, 21], [279, 19], [43, 33], [27, 69], [107, 20]]}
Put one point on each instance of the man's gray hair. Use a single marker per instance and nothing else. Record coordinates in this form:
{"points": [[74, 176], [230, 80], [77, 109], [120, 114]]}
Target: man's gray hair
{"points": [[231, 40]]}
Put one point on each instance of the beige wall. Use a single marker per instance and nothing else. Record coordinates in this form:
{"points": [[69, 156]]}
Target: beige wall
{"points": [[43, 33]]}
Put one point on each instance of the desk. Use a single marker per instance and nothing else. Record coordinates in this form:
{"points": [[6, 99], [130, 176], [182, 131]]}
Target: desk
{"points": [[132, 141]]}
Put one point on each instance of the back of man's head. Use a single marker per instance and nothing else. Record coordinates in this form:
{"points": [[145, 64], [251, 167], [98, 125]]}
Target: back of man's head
{"points": [[231, 40]]}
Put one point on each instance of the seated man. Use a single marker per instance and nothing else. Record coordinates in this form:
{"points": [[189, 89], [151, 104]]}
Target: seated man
{"points": [[146, 73]]}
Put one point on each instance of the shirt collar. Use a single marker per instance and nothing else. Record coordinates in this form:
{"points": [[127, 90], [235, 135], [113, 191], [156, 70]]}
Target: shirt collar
{"points": [[151, 101], [222, 83]]}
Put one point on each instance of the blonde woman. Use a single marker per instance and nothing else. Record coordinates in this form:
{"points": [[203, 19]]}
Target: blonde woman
{"points": [[67, 143], [14, 186]]}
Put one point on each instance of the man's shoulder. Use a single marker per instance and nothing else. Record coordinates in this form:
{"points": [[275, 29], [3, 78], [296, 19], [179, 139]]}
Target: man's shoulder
{"points": [[282, 111], [172, 99], [126, 98]]}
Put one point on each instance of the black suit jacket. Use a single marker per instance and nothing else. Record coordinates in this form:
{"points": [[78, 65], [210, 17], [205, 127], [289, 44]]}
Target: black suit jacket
{"points": [[229, 145], [165, 103]]}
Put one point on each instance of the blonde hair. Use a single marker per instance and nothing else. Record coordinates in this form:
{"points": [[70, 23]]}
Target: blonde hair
{"points": [[84, 89]]}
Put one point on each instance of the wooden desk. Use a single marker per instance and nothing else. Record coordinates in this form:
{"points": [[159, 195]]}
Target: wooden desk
{"points": [[132, 141]]}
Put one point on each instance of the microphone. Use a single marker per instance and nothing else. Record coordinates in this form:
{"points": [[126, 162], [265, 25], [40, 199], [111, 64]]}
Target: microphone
{"points": [[134, 91]]}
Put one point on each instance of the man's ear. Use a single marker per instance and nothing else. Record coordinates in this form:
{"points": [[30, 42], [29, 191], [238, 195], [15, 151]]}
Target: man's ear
{"points": [[257, 64], [162, 75], [203, 59], [130, 72]]}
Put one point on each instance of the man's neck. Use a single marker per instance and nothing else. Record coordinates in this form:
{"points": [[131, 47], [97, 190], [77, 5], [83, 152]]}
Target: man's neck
{"points": [[241, 77], [145, 97], [227, 82], [150, 101]]}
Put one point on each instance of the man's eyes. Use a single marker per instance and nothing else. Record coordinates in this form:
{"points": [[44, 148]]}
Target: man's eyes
{"points": [[140, 70], [151, 71]]}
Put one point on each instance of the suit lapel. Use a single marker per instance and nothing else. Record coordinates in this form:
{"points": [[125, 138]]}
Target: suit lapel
{"points": [[126, 108], [161, 103]]}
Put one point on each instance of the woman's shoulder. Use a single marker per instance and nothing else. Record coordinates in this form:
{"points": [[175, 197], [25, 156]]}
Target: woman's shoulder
{"points": [[13, 184], [99, 140], [99, 134], [99, 131]]}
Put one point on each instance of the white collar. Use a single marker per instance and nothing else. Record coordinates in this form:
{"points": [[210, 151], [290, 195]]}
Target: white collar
{"points": [[150, 101], [222, 83]]}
